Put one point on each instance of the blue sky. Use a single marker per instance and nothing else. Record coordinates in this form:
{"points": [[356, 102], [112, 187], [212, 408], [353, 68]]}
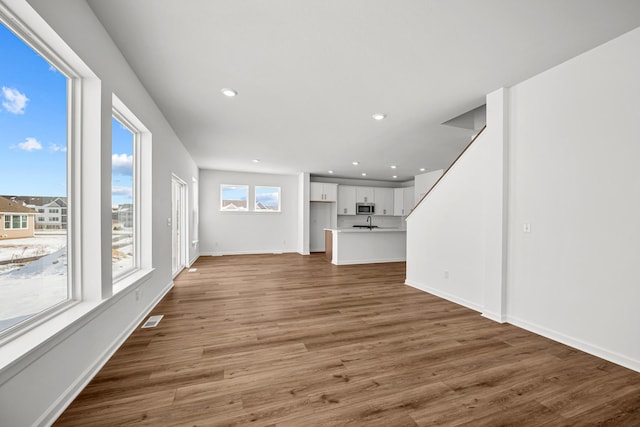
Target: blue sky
{"points": [[121, 164], [33, 121], [33, 127]]}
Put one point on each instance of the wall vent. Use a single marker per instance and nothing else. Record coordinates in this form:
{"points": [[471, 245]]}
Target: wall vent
{"points": [[193, 270], [153, 321]]}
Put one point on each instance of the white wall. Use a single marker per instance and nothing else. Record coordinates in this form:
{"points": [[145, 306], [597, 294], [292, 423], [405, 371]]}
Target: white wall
{"points": [[574, 177], [424, 182], [35, 388], [567, 141], [247, 232]]}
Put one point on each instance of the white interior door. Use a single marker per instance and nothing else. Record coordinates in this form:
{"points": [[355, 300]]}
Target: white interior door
{"points": [[178, 225]]}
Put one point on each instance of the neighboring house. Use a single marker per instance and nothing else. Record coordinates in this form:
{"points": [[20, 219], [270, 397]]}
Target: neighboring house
{"points": [[234, 205], [17, 221], [51, 211], [122, 215]]}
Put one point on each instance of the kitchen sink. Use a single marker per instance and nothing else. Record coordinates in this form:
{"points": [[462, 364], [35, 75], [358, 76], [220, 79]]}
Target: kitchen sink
{"points": [[366, 226]]}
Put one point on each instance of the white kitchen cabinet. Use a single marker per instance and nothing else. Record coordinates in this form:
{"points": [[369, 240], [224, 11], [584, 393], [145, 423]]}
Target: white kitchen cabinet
{"points": [[365, 195], [403, 200], [384, 201], [323, 192], [346, 200]]}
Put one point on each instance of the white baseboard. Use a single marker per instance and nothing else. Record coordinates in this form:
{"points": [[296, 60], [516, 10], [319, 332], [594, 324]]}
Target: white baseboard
{"points": [[58, 407], [496, 317], [444, 295], [369, 261], [194, 259], [605, 354], [265, 252]]}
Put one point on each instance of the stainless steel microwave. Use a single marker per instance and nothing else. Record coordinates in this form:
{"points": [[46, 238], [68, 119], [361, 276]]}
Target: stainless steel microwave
{"points": [[365, 208]]}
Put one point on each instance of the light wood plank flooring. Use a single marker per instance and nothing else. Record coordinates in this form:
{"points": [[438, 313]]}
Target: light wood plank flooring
{"points": [[287, 340]]}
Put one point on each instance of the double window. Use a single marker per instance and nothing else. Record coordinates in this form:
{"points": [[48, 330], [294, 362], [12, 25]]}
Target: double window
{"points": [[235, 198]]}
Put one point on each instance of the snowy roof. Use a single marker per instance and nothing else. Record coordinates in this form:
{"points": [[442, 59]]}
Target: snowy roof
{"points": [[10, 206]]}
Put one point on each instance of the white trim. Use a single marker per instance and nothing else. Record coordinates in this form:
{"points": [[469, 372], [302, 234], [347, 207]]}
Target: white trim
{"points": [[265, 252], [496, 317], [62, 403], [194, 259], [576, 343], [20, 18], [220, 207], [141, 137], [368, 261], [444, 295], [183, 256]]}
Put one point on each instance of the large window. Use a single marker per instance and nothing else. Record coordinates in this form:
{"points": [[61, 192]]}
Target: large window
{"points": [[267, 199], [234, 197], [123, 206], [34, 273]]}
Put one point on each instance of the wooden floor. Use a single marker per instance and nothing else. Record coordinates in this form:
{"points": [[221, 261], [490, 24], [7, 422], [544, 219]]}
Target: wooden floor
{"points": [[287, 340]]}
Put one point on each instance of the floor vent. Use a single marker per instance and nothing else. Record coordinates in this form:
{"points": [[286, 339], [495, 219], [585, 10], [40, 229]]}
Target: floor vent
{"points": [[193, 270], [153, 321]]}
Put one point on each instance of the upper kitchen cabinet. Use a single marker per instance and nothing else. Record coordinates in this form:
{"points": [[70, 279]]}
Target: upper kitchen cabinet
{"points": [[346, 200], [323, 192], [365, 195], [403, 200], [384, 201]]}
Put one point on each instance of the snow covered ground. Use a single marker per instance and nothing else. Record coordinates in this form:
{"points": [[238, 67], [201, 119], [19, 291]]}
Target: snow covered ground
{"points": [[41, 244], [28, 288], [36, 286]]}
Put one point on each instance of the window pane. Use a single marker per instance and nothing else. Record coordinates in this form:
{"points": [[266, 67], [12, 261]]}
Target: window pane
{"points": [[122, 199], [33, 143], [234, 197], [267, 199]]}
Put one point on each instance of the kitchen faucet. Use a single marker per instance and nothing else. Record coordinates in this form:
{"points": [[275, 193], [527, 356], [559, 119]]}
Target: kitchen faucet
{"points": [[369, 221]]}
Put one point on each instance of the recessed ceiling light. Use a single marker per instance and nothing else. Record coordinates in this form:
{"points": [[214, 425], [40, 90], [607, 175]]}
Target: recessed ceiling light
{"points": [[379, 116], [330, 171], [364, 174], [422, 169], [229, 92], [395, 176], [256, 160], [355, 163], [393, 166]]}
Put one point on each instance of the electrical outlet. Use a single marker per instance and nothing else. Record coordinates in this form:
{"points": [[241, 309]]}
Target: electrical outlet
{"points": [[446, 274], [526, 228]]}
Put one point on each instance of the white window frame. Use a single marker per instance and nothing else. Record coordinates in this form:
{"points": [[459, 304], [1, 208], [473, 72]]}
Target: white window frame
{"points": [[141, 196], [124, 121], [255, 199], [246, 187], [51, 54]]}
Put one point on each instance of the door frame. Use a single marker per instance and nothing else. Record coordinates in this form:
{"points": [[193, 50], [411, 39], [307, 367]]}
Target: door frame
{"points": [[183, 261]]}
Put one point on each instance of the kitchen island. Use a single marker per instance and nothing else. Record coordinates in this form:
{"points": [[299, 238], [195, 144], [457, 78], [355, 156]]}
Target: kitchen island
{"points": [[366, 245]]}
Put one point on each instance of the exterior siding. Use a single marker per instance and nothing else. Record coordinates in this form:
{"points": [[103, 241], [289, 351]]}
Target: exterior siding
{"points": [[19, 233]]}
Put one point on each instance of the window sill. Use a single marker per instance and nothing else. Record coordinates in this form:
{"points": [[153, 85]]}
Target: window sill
{"points": [[132, 279], [19, 352]]}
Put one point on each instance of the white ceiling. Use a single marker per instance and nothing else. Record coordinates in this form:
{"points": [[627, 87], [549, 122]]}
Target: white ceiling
{"points": [[310, 74]]}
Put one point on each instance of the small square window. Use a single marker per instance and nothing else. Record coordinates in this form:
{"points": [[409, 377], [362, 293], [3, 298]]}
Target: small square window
{"points": [[234, 198], [267, 199]]}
